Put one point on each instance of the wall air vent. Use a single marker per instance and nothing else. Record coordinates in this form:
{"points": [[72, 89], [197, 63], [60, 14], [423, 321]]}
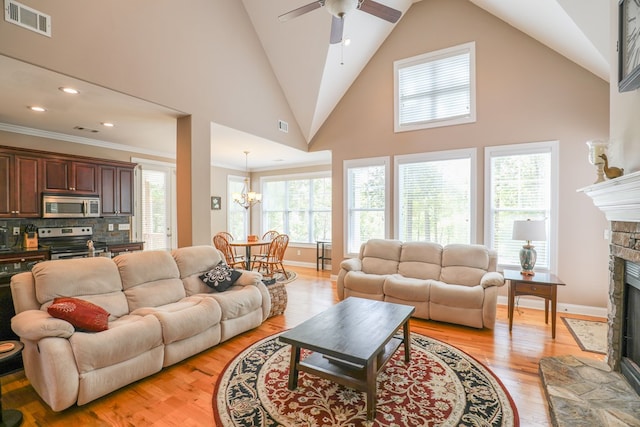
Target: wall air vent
{"points": [[283, 126], [26, 17]]}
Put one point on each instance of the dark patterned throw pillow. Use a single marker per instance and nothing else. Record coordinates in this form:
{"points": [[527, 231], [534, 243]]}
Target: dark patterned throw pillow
{"points": [[221, 277]]}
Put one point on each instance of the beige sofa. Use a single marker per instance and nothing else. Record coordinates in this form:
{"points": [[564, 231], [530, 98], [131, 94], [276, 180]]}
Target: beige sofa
{"points": [[160, 313], [455, 283]]}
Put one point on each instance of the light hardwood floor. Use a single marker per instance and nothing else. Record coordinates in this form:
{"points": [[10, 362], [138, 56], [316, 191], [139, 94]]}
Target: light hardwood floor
{"points": [[181, 395]]}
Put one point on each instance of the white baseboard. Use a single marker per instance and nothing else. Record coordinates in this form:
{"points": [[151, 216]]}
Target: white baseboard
{"points": [[306, 264], [538, 304]]}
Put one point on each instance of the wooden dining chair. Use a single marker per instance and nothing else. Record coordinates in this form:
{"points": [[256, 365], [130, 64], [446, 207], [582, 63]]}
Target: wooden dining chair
{"points": [[264, 250], [222, 244], [272, 263]]}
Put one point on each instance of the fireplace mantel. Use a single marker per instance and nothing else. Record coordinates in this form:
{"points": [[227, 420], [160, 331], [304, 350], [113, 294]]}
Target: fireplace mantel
{"points": [[618, 198]]}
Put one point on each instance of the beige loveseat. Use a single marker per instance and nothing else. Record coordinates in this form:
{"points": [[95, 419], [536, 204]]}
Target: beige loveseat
{"points": [[160, 313], [455, 283]]}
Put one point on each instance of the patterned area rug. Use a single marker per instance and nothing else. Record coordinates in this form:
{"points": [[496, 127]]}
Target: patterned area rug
{"points": [[442, 386], [589, 334]]}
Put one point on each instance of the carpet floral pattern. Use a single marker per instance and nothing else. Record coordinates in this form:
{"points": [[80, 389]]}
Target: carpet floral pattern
{"points": [[442, 386]]}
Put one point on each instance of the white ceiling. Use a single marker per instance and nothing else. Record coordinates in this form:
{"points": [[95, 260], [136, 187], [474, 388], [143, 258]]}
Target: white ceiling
{"points": [[313, 74]]}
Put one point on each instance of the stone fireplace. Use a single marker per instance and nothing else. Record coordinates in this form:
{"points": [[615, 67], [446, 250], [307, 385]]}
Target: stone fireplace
{"points": [[581, 390], [619, 199]]}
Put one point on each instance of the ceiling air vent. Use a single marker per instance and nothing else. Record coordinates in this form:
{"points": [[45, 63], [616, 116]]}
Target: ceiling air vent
{"points": [[283, 126], [85, 129], [27, 17]]}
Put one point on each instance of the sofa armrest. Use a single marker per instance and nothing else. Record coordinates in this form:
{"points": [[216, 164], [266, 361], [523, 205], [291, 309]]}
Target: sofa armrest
{"points": [[492, 278], [351, 264], [248, 278], [37, 324]]}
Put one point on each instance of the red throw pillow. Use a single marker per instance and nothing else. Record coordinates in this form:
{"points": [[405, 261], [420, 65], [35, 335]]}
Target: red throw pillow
{"points": [[80, 313]]}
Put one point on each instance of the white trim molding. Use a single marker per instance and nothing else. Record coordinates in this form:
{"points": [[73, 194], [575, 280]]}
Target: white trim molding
{"points": [[618, 198]]}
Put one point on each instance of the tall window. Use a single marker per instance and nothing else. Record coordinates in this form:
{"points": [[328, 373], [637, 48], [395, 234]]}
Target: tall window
{"points": [[521, 184], [436, 196], [237, 216], [435, 89], [155, 214], [298, 205], [366, 201]]}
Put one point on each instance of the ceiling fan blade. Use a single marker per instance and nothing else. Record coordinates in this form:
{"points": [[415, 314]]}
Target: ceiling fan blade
{"points": [[301, 10], [381, 11], [337, 30]]}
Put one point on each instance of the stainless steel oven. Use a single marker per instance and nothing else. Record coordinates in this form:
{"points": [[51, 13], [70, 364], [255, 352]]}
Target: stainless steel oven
{"points": [[55, 206], [69, 242]]}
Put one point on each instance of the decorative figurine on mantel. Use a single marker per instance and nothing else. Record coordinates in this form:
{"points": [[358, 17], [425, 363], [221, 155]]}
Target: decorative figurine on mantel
{"points": [[611, 172]]}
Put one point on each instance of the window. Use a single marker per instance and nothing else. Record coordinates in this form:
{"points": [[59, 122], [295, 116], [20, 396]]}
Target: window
{"points": [[435, 89], [521, 183], [154, 222], [436, 196], [366, 201], [298, 205], [237, 216]]}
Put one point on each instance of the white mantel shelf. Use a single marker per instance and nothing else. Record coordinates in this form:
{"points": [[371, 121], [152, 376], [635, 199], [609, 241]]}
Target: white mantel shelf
{"points": [[618, 198]]}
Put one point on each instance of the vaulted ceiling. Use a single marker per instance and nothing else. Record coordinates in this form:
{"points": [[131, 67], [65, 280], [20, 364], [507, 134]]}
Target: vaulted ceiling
{"points": [[314, 74]]}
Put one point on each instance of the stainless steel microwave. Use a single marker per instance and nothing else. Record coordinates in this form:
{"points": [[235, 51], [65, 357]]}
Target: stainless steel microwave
{"points": [[54, 206]]}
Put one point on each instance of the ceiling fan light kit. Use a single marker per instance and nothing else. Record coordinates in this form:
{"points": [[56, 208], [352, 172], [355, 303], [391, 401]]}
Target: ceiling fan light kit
{"points": [[340, 8]]}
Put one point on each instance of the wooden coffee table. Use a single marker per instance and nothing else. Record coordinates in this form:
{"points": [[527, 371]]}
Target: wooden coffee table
{"points": [[351, 342]]}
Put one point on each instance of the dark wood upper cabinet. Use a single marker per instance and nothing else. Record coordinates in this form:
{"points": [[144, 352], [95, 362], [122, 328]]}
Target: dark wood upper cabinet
{"points": [[26, 174], [116, 190], [19, 186], [68, 176]]}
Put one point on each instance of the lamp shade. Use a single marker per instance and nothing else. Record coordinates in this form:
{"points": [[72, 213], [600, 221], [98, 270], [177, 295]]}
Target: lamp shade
{"points": [[529, 230]]}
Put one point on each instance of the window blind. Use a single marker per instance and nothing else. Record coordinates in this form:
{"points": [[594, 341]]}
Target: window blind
{"points": [[366, 200]]}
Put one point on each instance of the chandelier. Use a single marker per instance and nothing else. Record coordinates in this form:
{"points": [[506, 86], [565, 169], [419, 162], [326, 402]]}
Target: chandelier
{"points": [[247, 198]]}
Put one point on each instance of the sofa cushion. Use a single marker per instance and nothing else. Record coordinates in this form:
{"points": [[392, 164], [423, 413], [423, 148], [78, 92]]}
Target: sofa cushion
{"points": [[185, 318], [80, 313], [363, 283], [221, 277], [195, 259], [464, 264], [381, 256], [407, 288], [420, 260], [238, 301], [456, 295], [126, 338], [93, 279], [150, 278]]}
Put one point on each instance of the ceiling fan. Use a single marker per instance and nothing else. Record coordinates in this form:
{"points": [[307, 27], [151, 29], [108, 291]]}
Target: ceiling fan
{"points": [[340, 8]]}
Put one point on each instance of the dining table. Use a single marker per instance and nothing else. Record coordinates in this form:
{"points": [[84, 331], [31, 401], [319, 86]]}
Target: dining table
{"points": [[248, 244]]}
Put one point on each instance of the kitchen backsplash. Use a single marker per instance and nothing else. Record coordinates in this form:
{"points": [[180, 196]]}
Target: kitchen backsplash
{"points": [[100, 226]]}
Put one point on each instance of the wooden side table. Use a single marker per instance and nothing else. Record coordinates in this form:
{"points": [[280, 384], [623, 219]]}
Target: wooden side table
{"points": [[10, 417], [542, 285]]}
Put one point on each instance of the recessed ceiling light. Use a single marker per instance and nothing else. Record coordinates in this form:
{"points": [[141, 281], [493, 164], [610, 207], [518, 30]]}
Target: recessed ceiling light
{"points": [[69, 90], [107, 124], [346, 42], [36, 108]]}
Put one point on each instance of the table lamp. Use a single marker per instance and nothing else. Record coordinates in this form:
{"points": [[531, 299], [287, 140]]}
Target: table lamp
{"points": [[530, 231]]}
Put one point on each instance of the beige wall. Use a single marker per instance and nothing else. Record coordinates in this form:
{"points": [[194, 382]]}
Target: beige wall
{"points": [[624, 146], [182, 59], [525, 93]]}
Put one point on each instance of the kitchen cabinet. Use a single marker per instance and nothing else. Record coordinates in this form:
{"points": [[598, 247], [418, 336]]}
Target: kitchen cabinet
{"points": [[70, 176], [19, 185], [116, 190]]}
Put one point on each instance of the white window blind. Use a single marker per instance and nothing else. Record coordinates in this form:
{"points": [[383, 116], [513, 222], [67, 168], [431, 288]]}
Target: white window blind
{"points": [[366, 201], [237, 216], [435, 200], [298, 205], [436, 89], [521, 187]]}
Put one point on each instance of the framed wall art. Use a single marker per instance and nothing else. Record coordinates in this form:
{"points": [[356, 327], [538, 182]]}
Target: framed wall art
{"points": [[216, 203], [628, 45]]}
